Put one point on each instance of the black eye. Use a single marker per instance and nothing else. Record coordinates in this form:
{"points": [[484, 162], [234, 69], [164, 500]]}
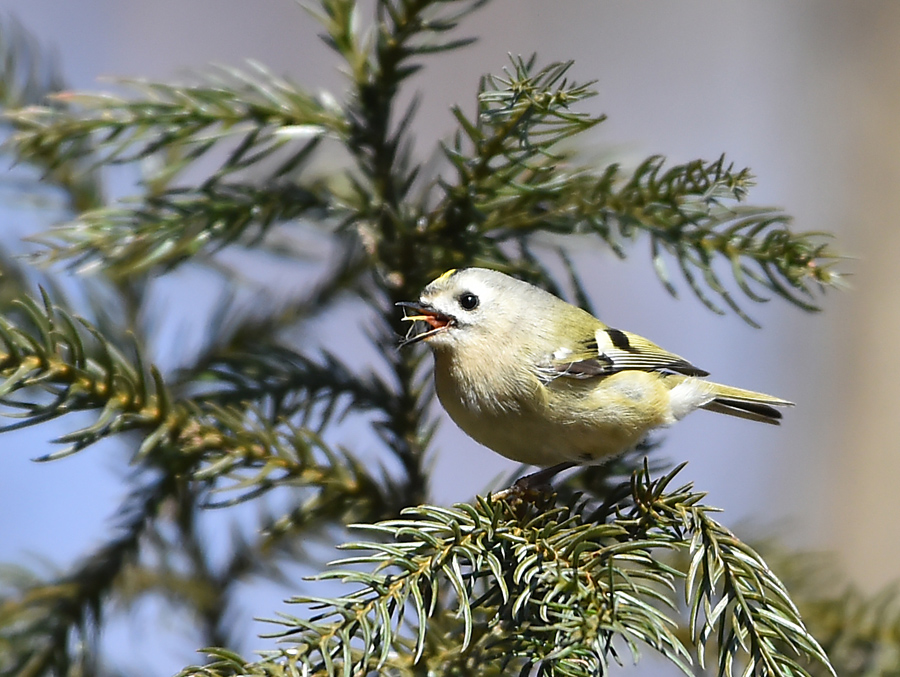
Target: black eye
{"points": [[468, 301]]}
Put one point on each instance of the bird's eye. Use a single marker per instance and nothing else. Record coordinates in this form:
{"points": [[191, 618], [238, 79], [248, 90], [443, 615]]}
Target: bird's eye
{"points": [[468, 301]]}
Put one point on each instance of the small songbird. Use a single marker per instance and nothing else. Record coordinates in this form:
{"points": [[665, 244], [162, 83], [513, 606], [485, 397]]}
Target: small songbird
{"points": [[544, 382]]}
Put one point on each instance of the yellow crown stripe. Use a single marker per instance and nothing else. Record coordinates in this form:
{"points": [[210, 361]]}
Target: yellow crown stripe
{"points": [[447, 274]]}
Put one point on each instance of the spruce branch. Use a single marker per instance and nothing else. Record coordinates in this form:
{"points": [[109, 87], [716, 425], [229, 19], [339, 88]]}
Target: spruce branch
{"points": [[346, 276], [49, 627], [255, 111], [376, 205], [250, 117], [860, 631], [560, 588], [66, 366], [214, 446], [70, 374], [274, 373], [547, 587], [179, 224], [754, 618], [515, 178], [404, 29], [378, 63]]}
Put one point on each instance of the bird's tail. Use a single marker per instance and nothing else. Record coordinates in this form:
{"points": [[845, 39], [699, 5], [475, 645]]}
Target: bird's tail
{"points": [[745, 404]]}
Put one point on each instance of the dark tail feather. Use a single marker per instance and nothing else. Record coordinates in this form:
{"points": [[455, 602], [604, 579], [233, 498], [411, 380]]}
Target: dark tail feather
{"points": [[753, 411]]}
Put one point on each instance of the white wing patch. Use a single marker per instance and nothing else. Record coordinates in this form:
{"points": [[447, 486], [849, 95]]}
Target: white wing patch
{"points": [[624, 350], [604, 341], [611, 351]]}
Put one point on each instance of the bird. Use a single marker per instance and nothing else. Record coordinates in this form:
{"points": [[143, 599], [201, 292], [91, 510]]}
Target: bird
{"points": [[545, 383]]}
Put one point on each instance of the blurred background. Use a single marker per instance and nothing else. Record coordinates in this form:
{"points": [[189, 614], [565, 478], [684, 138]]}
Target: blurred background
{"points": [[805, 93]]}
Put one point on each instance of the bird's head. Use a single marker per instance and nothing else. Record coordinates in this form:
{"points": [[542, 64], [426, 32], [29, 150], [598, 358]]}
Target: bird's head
{"points": [[467, 305]]}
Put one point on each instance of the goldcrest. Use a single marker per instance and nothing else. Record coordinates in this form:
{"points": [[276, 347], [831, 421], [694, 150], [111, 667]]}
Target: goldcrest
{"points": [[543, 382]]}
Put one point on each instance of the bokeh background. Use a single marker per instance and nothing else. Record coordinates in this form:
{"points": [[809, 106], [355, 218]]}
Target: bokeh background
{"points": [[805, 93]]}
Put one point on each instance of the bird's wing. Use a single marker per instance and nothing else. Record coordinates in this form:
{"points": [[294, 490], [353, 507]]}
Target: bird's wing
{"points": [[612, 351]]}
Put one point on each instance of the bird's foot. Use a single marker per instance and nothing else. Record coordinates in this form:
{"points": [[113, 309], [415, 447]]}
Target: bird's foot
{"points": [[533, 487]]}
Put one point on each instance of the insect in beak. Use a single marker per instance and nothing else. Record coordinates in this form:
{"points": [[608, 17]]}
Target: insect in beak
{"points": [[423, 313]]}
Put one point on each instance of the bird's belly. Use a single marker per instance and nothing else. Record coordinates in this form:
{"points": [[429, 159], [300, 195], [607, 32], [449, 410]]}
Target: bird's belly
{"points": [[519, 438], [548, 425]]}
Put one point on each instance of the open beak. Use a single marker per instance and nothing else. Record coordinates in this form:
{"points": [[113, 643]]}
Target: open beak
{"points": [[422, 312]]}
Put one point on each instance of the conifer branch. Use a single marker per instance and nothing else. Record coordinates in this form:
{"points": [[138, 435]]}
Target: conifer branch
{"points": [[274, 373], [755, 620], [50, 626], [256, 110], [376, 207], [860, 631], [64, 372], [257, 117], [515, 178], [175, 226], [346, 276], [545, 587], [215, 445], [563, 587]]}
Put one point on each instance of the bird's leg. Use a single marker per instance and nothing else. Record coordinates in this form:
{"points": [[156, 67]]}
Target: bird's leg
{"points": [[536, 481]]}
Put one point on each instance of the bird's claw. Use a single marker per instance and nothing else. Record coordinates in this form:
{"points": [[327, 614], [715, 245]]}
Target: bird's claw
{"points": [[531, 488]]}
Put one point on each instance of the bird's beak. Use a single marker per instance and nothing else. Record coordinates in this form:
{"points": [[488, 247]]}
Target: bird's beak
{"points": [[424, 313]]}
